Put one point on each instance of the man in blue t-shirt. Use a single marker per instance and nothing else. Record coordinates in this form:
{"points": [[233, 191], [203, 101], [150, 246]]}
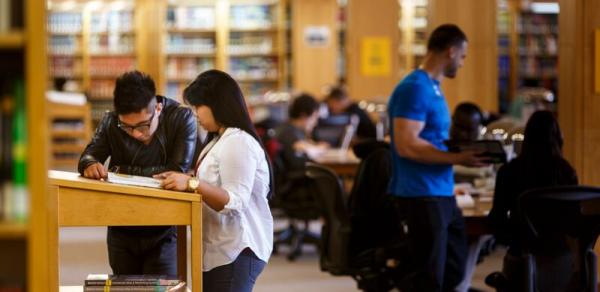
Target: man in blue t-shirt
{"points": [[422, 177]]}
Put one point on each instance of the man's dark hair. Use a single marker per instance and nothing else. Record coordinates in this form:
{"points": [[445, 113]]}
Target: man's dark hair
{"points": [[444, 37], [134, 91], [303, 105], [337, 93], [59, 83]]}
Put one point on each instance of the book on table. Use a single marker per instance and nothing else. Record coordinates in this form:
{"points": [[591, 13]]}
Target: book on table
{"points": [[133, 180], [133, 283]]}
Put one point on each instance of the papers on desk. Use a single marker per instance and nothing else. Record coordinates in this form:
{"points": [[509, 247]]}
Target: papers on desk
{"points": [[465, 201], [133, 180]]}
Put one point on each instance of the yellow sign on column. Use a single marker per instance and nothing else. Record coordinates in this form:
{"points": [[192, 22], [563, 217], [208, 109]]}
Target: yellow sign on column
{"points": [[375, 56], [597, 62]]}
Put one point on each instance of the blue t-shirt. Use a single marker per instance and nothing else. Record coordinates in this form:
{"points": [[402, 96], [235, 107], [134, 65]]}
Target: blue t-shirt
{"points": [[419, 98]]}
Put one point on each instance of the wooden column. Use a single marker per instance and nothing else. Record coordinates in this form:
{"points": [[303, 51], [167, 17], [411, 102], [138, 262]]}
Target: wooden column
{"points": [[149, 41], [578, 102], [477, 81], [368, 22], [314, 64], [36, 78]]}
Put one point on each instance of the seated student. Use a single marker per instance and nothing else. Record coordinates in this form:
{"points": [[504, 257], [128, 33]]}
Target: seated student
{"points": [[234, 177], [338, 102], [466, 123], [466, 127], [540, 164], [296, 148]]}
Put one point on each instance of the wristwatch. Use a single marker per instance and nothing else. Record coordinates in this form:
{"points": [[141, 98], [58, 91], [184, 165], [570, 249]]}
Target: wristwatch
{"points": [[192, 184]]}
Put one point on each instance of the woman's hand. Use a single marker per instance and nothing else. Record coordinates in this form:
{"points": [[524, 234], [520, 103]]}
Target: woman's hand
{"points": [[173, 180]]}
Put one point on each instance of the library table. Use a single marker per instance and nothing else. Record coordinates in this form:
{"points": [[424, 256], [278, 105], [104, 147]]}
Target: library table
{"points": [[77, 201]]}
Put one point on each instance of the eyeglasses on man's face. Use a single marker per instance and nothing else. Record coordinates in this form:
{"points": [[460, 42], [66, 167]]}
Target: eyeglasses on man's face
{"points": [[142, 127]]}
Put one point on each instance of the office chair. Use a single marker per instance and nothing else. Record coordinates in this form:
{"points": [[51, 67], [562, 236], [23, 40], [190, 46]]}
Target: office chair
{"points": [[293, 201], [560, 228], [373, 267]]}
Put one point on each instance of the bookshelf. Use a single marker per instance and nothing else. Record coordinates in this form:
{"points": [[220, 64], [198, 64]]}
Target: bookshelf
{"points": [[413, 34], [243, 37], [65, 43], [191, 43], [22, 233], [70, 131], [506, 50], [92, 43], [111, 44], [255, 48], [537, 50]]}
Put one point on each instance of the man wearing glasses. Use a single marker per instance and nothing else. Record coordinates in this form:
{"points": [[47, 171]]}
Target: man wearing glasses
{"points": [[146, 134]]}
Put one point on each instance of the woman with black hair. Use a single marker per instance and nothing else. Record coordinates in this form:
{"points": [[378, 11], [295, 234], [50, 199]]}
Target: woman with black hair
{"points": [[233, 175], [540, 164]]}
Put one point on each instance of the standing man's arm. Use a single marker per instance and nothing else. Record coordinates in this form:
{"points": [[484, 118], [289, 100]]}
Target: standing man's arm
{"points": [[409, 145], [96, 152]]}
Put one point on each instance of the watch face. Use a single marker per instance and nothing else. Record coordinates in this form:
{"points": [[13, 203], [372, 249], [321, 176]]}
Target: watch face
{"points": [[192, 184]]}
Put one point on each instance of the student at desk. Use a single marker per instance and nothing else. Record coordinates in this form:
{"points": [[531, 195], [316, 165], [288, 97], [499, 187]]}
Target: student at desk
{"points": [[540, 164], [296, 148], [146, 134], [233, 175], [338, 102]]}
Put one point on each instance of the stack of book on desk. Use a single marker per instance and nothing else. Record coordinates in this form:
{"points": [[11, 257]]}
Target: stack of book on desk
{"points": [[133, 283]]}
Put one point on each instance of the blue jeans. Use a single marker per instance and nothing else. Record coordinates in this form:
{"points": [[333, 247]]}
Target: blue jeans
{"points": [[130, 253], [239, 276]]}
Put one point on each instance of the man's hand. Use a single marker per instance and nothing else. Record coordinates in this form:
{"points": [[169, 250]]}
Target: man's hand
{"points": [[471, 158], [96, 171], [173, 180]]}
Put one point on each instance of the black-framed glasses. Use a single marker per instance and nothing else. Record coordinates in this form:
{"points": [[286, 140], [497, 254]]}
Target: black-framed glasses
{"points": [[143, 127]]}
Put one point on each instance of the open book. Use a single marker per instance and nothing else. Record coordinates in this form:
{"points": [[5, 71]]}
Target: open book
{"points": [[133, 180]]}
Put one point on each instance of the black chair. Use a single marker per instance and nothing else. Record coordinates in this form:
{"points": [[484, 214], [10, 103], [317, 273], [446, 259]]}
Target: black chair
{"points": [[560, 228], [294, 202], [375, 268]]}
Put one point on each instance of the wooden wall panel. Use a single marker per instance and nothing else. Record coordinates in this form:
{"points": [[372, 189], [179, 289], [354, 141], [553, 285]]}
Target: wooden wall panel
{"points": [[314, 67], [374, 18], [149, 45], [477, 81], [578, 104]]}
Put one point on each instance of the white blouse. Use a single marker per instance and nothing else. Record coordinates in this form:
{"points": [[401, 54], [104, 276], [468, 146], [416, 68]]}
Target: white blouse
{"points": [[237, 164]]}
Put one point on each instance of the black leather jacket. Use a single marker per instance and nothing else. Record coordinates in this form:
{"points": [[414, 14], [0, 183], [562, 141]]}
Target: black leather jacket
{"points": [[171, 148]]}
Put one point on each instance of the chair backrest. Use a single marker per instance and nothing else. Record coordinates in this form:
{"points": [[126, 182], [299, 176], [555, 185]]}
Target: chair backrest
{"points": [[335, 234], [374, 219], [561, 225]]}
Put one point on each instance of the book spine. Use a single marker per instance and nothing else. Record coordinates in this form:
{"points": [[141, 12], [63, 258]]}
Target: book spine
{"points": [[19, 153], [149, 282], [127, 288]]}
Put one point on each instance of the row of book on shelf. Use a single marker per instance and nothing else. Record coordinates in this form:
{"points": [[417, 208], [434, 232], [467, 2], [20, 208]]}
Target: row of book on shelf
{"points": [[13, 150], [133, 283]]}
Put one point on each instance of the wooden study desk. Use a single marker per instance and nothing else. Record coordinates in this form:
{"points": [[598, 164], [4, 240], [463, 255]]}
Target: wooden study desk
{"points": [[345, 164], [77, 201]]}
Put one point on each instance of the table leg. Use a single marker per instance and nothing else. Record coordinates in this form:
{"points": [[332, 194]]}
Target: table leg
{"points": [[196, 264], [53, 265], [182, 252]]}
